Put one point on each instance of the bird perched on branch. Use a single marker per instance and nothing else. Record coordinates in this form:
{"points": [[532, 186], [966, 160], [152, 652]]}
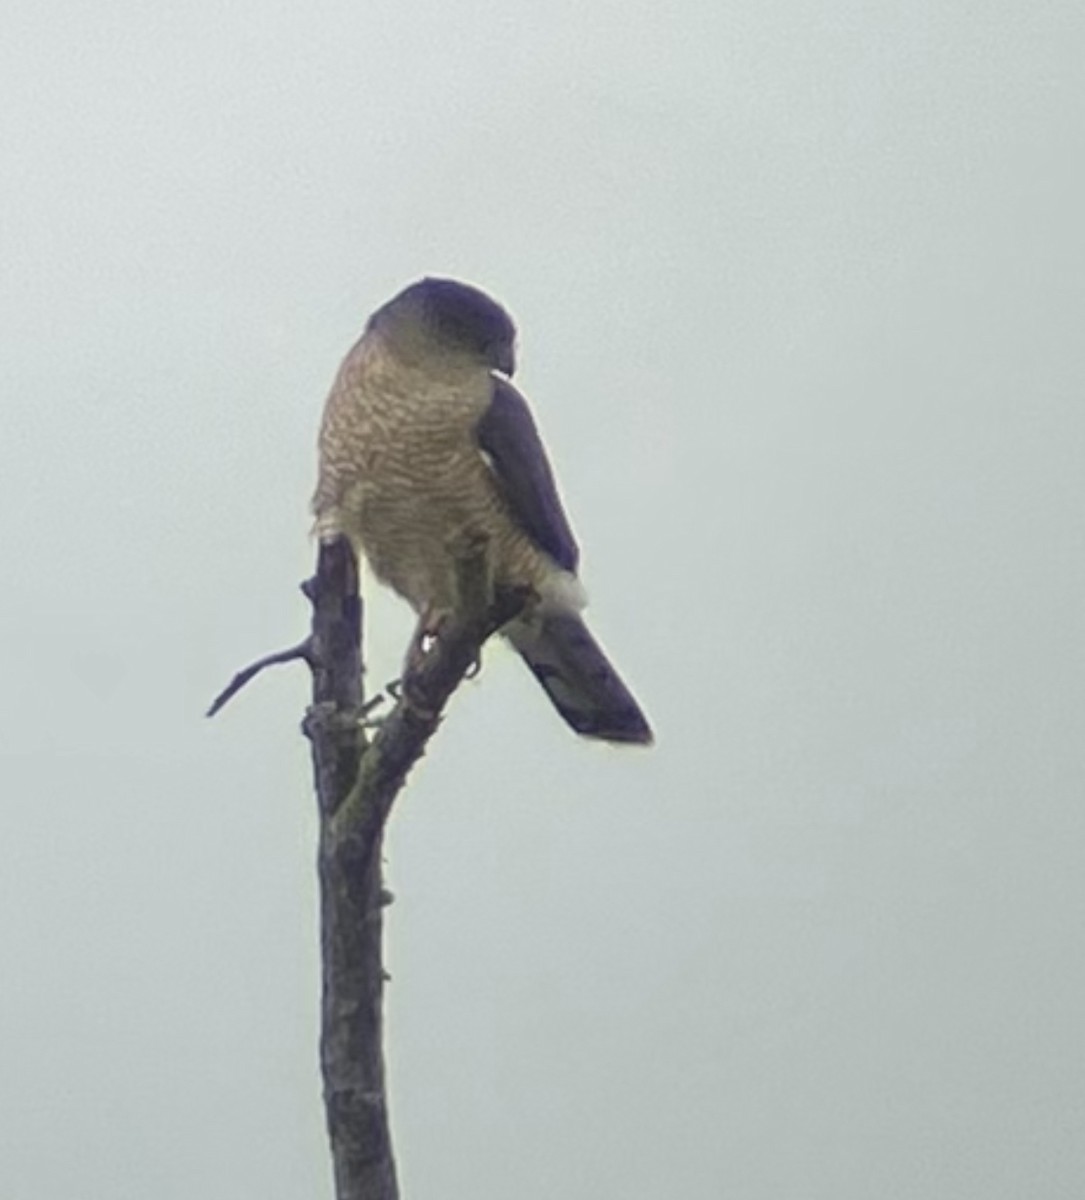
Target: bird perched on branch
{"points": [[425, 442]]}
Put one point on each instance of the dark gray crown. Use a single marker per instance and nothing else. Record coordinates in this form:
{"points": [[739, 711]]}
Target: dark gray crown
{"points": [[459, 315]]}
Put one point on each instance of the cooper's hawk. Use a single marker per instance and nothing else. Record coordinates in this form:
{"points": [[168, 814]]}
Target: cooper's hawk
{"points": [[425, 442]]}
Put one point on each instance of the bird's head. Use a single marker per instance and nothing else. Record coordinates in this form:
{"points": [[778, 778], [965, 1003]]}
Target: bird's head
{"points": [[454, 315]]}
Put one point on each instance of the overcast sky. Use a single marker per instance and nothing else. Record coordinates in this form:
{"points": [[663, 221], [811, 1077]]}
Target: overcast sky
{"points": [[800, 292]]}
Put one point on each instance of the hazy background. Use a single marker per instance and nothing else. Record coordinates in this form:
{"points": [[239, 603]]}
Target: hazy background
{"points": [[800, 290]]}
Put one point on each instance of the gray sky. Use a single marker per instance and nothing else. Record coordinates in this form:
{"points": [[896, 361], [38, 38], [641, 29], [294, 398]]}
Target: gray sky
{"points": [[800, 291]]}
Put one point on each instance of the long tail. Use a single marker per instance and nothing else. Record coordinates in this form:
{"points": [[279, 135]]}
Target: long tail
{"points": [[577, 676]]}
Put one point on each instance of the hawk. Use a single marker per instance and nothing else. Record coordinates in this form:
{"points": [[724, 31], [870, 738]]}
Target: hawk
{"points": [[424, 442]]}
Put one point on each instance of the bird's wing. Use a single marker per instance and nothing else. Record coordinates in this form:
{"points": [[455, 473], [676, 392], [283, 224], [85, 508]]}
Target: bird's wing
{"points": [[507, 436]]}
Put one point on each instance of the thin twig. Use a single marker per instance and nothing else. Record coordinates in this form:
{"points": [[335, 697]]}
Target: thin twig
{"points": [[303, 650]]}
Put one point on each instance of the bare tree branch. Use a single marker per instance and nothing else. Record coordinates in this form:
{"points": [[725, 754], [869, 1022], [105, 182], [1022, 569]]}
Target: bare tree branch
{"points": [[430, 677], [351, 893], [357, 782]]}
